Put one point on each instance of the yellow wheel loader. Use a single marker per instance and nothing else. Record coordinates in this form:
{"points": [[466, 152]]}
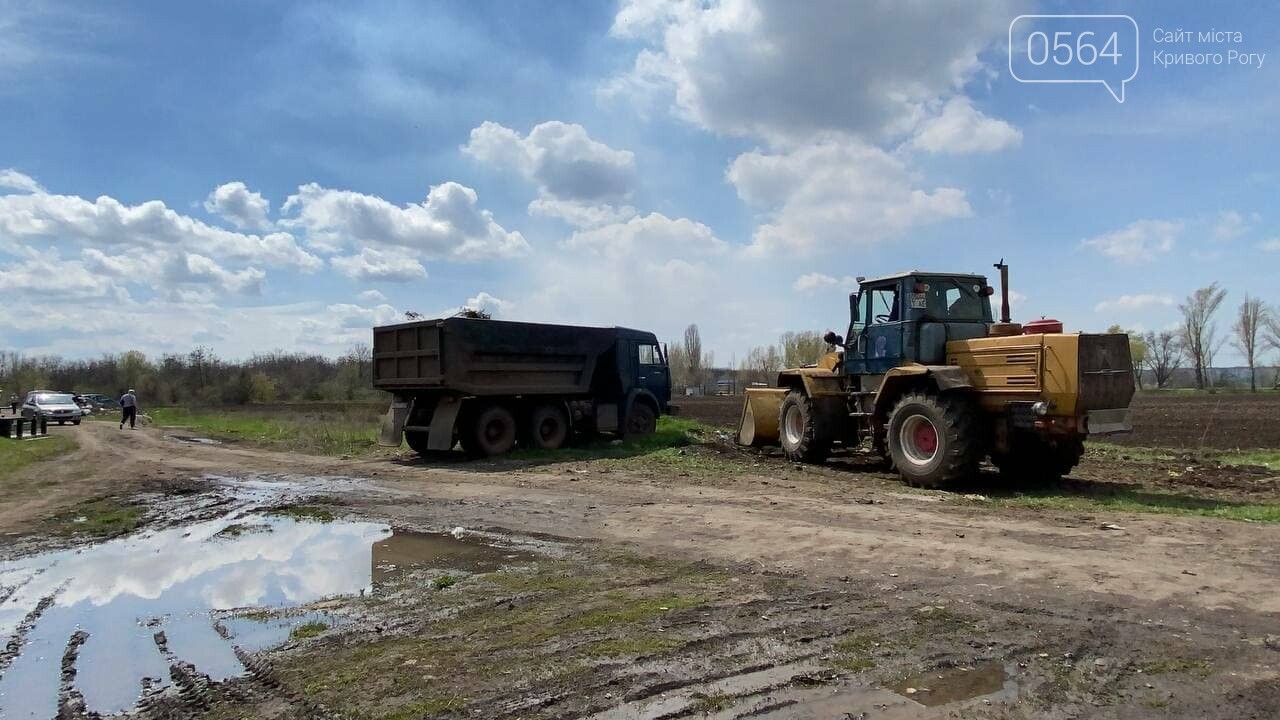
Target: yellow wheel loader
{"points": [[927, 376]]}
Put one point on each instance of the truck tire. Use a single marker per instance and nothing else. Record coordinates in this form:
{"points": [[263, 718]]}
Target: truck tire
{"points": [[548, 427], [933, 439], [1033, 461], [492, 431], [417, 441], [641, 420], [798, 430]]}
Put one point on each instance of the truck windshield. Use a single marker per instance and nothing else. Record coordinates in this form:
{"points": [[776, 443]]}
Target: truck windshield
{"points": [[948, 299]]}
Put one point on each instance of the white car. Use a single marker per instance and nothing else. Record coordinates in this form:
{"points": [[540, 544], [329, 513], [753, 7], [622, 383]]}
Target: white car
{"points": [[61, 407]]}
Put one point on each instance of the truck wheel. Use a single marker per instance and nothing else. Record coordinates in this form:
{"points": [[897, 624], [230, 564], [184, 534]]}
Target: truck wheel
{"points": [[641, 420], [798, 430], [933, 439], [417, 441], [492, 433], [548, 427]]}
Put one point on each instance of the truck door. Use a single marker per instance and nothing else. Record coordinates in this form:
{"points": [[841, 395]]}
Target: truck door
{"points": [[651, 370], [878, 348]]}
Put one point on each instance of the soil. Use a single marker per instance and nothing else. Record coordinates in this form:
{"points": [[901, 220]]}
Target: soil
{"points": [[729, 583], [1225, 421]]}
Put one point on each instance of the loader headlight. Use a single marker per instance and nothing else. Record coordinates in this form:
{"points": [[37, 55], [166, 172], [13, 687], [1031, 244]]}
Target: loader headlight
{"points": [[1041, 408]]}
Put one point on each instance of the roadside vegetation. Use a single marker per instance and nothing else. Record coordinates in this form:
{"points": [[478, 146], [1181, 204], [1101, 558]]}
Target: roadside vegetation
{"points": [[18, 454], [1139, 501], [328, 429], [1265, 458]]}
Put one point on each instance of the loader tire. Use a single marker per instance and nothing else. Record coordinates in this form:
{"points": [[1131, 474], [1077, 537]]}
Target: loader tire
{"points": [[1032, 461], [548, 428], [933, 439], [798, 430], [490, 431]]}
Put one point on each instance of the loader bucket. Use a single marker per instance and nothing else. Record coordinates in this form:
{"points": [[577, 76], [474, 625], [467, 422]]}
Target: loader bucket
{"points": [[759, 423]]}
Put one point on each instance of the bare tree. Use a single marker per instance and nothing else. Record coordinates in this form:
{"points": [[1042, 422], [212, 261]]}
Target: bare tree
{"points": [[1251, 318], [762, 364], [1198, 332], [801, 348], [1164, 355], [693, 355]]}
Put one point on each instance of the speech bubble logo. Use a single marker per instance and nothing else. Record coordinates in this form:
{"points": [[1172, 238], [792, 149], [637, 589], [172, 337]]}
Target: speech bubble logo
{"points": [[1099, 49]]}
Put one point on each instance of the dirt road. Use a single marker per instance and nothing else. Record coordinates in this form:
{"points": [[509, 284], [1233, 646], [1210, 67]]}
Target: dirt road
{"points": [[1094, 614]]}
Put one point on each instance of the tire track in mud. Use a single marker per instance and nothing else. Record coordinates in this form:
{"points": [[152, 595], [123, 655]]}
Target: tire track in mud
{"points": [[19, 638], [71, 705]]}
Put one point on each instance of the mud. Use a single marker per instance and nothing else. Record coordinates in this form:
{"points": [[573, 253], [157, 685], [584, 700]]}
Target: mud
{"points": [[710, 583]]}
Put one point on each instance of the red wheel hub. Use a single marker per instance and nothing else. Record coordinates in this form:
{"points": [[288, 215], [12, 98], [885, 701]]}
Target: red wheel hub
{"points": [[925, 438]]}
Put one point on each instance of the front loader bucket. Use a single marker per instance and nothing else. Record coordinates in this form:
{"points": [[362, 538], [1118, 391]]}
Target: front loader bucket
{"points": [[759, 423]]}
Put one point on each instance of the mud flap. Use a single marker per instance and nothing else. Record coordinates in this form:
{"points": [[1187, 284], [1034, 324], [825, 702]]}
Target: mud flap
{"points": [[440, 437], [392, 431]]}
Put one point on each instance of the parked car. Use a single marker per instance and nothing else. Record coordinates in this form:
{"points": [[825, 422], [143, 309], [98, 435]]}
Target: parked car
{"points": [[57, 406], [98, 401]]}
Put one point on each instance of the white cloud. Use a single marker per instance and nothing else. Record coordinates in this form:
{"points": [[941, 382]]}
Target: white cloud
{"points": [[814, 281], [191, 268], [1138, 242], [1272, 245], [561, 158], [1229, 225], [108, 223], [785, 70], [652, 236], [1130, 303], [449, 225], [496, 307], [375, 265], [372, 296], [580, 214], [962, 129], [11, 179], [236, 203], [835, 194]]}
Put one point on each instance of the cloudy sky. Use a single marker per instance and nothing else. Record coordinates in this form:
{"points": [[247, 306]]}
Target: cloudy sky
{"points": [[255, 176]]}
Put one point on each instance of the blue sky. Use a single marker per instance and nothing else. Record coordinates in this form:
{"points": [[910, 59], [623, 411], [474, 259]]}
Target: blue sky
{"points": [[260, 176]]}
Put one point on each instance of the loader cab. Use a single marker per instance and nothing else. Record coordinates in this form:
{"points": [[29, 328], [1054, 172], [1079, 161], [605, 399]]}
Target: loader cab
{"points": [[909, 318]]}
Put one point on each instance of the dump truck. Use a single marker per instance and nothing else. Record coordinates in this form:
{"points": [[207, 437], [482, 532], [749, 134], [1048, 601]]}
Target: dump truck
{"points": [[935, 385], [490, 384]]}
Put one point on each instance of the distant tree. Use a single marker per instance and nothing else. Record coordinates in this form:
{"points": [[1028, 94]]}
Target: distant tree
{"points": [[762, 364], [693, 355], [1137, 351], [1164, 355], [1251, 319], [262, 389], [801, 348], [1199, 341]]}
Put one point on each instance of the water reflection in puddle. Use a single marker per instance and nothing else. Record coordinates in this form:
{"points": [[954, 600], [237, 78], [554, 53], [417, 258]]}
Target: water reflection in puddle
{"points": [[123, 592], [953, 684], [193, 440]]}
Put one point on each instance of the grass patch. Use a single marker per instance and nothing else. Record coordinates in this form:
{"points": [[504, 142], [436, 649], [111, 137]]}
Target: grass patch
{"points": [[18, 454], [427, 707], [672, 446], [707, 704], [307, 630], [1139, 501], [1266, 458], [326, 431], [101, 518], [853, 653], [444, 581], [303, 513]]}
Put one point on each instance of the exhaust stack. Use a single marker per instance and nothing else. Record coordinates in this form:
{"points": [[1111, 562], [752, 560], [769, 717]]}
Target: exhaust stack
{"points": [[1006, 326]]}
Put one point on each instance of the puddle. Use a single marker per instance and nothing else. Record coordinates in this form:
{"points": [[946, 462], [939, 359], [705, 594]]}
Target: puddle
{"points": [[193, 440], [150, 600], [953, 684], [405, 551]]}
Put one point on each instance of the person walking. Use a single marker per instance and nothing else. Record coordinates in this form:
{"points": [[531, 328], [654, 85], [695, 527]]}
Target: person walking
{"points": [[128, 409], [13, 403]]}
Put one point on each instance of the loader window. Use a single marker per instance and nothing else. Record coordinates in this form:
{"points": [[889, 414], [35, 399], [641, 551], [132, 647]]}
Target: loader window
{"points": [[884, 305]]}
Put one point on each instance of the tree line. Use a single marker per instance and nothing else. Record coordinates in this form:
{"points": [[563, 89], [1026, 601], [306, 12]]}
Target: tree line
{"points": [[198, 377], [691, 367], [1254, 331]]}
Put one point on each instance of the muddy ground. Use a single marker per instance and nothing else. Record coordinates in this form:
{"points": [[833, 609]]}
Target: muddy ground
{"points": [[704, 582], [1223, 421]]}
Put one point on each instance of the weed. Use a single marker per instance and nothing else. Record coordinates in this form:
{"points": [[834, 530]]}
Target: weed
{"points": [[307, 630], [304, 513], [1140, 501], [427, 707], [707, 704], [104, 517], [443, 581]]}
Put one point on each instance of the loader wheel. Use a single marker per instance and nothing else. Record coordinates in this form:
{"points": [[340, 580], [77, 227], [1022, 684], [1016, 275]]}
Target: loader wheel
{"points": [[798, 430], [492, 432], [548, 427], [640, 420], [417, 441], [933, 439], [1032, 460]]}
